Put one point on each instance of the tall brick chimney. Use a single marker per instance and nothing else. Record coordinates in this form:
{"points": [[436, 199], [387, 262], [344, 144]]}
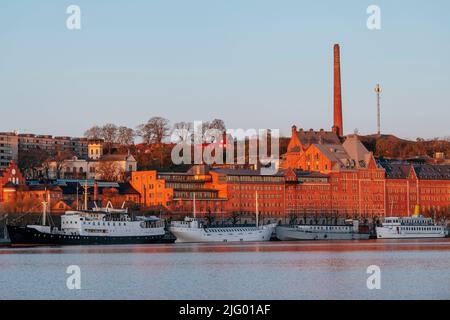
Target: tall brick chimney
{"points": [[338, 126]]}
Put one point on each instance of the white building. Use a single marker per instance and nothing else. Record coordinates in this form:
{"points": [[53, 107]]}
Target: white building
{"points": [[115, 166]]}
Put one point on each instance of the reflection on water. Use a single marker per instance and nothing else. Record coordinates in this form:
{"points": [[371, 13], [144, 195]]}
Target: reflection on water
{"points": [[415, 269]]}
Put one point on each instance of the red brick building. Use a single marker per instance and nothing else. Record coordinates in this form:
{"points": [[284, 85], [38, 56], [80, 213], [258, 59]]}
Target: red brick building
{"points": [[17, 196], [241, 187], [323, 173], [408, 185], [11, 176], [175, 192]]}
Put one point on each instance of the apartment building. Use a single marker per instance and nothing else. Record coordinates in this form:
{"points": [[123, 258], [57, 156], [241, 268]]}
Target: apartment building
{"points": [[9, 148]]}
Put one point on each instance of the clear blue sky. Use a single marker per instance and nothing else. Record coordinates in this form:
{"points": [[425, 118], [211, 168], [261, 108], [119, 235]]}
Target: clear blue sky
{"points": [[253, 63]]}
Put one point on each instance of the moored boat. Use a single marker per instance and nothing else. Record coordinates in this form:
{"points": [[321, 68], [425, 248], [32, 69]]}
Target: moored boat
{"points": [[192, 230], [350, 230], [415, 227], [98, 226]]}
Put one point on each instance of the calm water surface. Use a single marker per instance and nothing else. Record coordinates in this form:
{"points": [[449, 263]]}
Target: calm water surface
{"points": [[413, 269]]}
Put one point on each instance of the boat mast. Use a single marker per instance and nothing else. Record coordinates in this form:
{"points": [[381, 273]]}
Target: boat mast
{"points": [[257, 209], [194, 207], [85, 195], [44, 210], [392, 207], [78, 207]]}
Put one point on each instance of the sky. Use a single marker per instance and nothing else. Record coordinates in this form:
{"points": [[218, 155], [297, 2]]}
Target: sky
{"points": [[252, 63]]}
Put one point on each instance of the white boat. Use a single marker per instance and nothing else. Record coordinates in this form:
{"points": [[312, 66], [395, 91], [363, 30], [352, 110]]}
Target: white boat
{"points": [[409, 228], [99, 226], [192, 230], [348, 231]]}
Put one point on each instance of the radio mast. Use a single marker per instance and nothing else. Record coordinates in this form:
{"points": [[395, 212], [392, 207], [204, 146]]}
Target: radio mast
{"points": [[378, 92]]}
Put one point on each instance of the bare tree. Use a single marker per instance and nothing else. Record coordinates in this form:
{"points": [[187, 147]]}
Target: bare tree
{"points": [[183, 130], [216, 124], [94, 133], [154, 131], [125, 136], [110, 171], [57, 162], [109, 132], [31, 161]]}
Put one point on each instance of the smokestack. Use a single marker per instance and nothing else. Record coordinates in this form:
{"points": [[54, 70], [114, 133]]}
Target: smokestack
{"points": [[338, 126]]}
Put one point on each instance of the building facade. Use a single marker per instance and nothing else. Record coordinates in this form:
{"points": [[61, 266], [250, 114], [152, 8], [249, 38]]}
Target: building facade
{"points": [[410, 185], [178, 193], [9, 148], [369, 191], [115, 167], [10, 176], [12, 145]]}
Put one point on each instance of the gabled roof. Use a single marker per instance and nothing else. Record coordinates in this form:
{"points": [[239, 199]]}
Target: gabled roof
{"points": [[357, 151], [127, 188], [402, 169], [337, 154], [309, 137], [351, 154], [432, 172], [396, 170]]}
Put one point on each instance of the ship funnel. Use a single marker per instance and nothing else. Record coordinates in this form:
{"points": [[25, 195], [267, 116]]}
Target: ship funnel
{"points": [[417, 210]]}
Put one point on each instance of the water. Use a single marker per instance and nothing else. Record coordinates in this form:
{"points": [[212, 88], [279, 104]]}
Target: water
{"points": [[411, 269]]}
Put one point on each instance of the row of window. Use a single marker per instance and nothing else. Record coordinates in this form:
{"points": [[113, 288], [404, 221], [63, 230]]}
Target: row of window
{"points": [[253, 196], [328, 228], [255, 179], [420, 229], [120, 224], [260, 205], [257, 188]]}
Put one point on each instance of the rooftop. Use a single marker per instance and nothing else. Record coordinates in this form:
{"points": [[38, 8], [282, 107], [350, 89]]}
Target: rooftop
{"points": [[311, 136], [397, 169], [243, 172]]}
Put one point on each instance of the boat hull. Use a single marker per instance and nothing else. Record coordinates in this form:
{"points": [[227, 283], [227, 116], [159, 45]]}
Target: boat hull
{"points": [[199, 235], [295, 234], [392, 233], [30, 236]]}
